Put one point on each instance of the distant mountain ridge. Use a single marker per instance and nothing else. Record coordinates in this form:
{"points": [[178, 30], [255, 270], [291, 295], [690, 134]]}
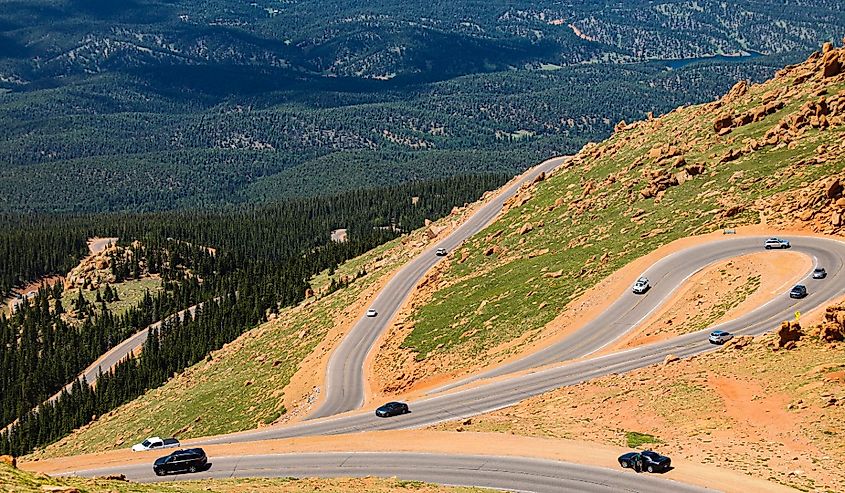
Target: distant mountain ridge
{"points": [[390, 38], [161, 104]]}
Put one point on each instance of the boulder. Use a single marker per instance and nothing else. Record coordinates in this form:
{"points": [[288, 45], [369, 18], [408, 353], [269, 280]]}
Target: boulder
{"points": [[730, 155], [833, 189], [9, 460], [739, 342], [831, 65], [670, 358], [113, 477], [789, 332], [540, 177], [737, 91], [723, 121], [527, 227], [695, 169], [831, 332]]}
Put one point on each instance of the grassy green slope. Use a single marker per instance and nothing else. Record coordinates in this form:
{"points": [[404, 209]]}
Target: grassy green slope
{"points": [[591, 219]]}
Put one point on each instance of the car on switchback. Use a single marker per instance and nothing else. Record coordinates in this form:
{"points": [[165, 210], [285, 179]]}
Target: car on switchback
{"points": [[155, 443], [641, 286], [799, 291], [819, 273], [188, 460], [778, 243], [645, 461], [720, 337], [372, 312], [440, 252], [392, 409]]}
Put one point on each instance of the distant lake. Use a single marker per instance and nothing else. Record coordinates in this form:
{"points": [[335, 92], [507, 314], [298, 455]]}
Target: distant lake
{"points": [[676, 64]]}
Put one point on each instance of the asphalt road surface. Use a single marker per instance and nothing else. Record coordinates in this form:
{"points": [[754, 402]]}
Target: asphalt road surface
{"points": [[113, 356], [535, 374], [344, 378], [508, 390], [665, 277], [508, 473]]}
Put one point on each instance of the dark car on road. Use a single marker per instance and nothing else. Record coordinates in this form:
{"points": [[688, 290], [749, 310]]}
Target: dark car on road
{"points": [[799, 291], [651, 461], [188, 460], [819, 273], [392, 409]]}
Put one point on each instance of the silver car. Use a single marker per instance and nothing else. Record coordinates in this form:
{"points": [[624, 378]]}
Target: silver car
{"points": [[720, 337], [641, 286], [776, 243]]}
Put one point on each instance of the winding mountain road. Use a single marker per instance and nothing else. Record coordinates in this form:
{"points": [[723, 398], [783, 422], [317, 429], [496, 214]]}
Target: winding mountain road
{"points": [[625, 312], [553, 367], [345, 374], [507, 473]]}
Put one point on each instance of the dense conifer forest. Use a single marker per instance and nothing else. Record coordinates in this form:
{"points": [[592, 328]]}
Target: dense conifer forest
{"points": [[263, 257]]}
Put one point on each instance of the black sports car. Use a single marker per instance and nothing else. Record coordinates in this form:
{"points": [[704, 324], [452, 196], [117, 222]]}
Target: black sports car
{"points": [[392, 409], [651, 461], [188, 460]]}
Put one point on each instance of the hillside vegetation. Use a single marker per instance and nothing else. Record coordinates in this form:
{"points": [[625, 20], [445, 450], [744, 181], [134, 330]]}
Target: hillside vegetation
{"points": [[773, 152], [154, 104], [247, 383]]}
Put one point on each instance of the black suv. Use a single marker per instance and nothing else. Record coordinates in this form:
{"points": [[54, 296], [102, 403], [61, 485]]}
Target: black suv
{"points": [[188, 460], [392, 409]]}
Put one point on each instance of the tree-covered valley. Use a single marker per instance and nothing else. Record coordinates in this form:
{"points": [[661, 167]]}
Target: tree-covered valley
{"points": [[151, 105]]}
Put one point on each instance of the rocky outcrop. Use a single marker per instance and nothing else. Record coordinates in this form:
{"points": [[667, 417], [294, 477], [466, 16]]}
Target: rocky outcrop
{"points": [[727, 122], [788, 334], [8, 460], [832, 329], [95, 270], [819, 206]]}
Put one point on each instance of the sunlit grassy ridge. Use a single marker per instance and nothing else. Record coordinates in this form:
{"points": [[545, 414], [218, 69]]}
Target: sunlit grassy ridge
{"points": [[590, 219]]}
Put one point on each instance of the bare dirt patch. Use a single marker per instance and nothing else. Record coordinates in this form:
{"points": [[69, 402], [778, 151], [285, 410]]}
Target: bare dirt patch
{"points": [[774, 415], [722, 292]]}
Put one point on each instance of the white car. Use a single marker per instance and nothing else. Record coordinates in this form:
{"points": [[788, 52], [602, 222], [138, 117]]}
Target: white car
{"points": [[372, 312], [641, 286], [440, 252], [776, 243], [720, 337], [155, 443]]}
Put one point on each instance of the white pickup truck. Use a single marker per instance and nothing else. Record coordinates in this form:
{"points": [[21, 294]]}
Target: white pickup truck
{"points": [[155, 443]]}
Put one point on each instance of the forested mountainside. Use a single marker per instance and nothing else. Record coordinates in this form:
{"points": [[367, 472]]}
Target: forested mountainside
{"points": [[152, 104], [389, 38], [198, 136], [236, 266]]}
